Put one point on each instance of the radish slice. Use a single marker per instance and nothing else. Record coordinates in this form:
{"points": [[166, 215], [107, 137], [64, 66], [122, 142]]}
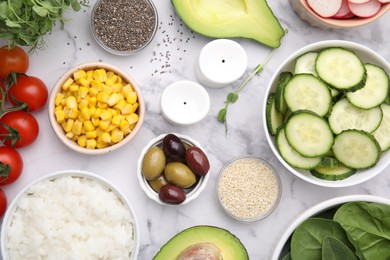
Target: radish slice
{"points": [[325, 8], [358, 1], [365, 10], [343, 11], [384, 1]]}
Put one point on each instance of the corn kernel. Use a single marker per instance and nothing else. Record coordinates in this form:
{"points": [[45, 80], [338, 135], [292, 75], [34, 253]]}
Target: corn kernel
{"points": [[59, 98], [116, 120], [88, 126], [74, 88], [79, 74], [105, 115], [67, 83], [100, 144], [110, 74], [97, 113], [105, 137], [92, 101], [76, 128], [60, 116], [72, 113], [100, 75], [93, 92], [132, 118], [110, 82], [91, 134], [82, 92], [102, 105], [104, 124], [68, 125], [120, 105], [91, 144], [131, 97], [83, 82], [85, 113], [117, 88], [58, 108], [102, 97], [82, 141], [69, 135], [83, 104], [113, 99], [127, 89], [135, 106], [95, 121], [127, 109], [116, 136], [90, 74], [124, 124], [107, 89]]}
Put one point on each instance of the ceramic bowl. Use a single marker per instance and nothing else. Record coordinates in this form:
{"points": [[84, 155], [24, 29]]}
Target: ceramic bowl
{"points": [[306, 13], [249, 183], [109, 48], [191, 193], [367, 56], [86, 178], [283, 245], [59, 131]]}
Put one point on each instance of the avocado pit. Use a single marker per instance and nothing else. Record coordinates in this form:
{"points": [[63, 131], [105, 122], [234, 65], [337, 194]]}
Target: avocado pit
{"points": [[206, 251]]}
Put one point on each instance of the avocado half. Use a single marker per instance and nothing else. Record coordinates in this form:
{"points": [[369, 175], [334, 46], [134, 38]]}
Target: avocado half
{"points": [[230, 246], [251, 19]]}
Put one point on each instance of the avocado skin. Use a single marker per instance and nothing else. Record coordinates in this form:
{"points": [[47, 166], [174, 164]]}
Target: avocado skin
{"points": [[252, 19], [230, 246]]}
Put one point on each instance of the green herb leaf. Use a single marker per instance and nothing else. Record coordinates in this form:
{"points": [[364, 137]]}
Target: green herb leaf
{"points": [[41, 11], [232, 97], [334, 249], [222, 115]]}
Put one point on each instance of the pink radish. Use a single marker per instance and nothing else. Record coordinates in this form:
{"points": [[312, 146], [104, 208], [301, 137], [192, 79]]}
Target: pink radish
{"points": [[384, 1], [325, 8], [343, 11], [365, 10], [358, 1]]}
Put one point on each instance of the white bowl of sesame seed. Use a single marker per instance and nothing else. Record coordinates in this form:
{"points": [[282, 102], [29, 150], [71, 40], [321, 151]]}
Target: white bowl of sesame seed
{"points": [[249, 189], [124, 27], [96, 108]]}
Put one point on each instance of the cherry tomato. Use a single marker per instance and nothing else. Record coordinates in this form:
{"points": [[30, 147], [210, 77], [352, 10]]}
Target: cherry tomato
{"points": [[24, 123], [3, 203], [30, 90], [2, 88], [11, 165], [13, 60]]}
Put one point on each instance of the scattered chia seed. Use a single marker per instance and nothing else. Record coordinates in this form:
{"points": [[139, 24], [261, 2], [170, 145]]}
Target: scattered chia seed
{"points": [[124, 25]]}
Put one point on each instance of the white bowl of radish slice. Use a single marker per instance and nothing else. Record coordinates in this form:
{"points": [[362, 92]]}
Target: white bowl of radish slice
{"points": [[339, 14], [326, 113]]}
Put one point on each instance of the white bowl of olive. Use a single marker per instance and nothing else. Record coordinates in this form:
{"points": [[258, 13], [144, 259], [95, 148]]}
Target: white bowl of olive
{"points": [[173, 169]]}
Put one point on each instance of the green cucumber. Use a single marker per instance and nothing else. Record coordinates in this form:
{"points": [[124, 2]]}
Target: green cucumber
{"points": [[340, 172], [307, 92], [341, 69], [273, 117], [356, 149], [382, 133], [309, 134], [305, 64], [281, 105], [375, 90]]}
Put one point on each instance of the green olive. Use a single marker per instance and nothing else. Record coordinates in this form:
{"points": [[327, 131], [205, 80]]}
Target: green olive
{"points": [[179, 174], [153, 163], [158, 183]]}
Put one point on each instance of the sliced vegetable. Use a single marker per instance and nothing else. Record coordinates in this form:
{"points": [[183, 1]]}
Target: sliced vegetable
{"points": [[368, 229], [305, 91], [366, 9], [309, 134], [345, 116], [382, 133], [305, 64], [356, 149], [341, 69], [344, 10], [284, 77], [375, 89], [291, 156], [274, 117], [325, 8], [339, 172]]}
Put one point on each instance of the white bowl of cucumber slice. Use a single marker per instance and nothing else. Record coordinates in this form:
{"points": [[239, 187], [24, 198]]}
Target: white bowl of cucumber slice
{"points": [[327, 113]]}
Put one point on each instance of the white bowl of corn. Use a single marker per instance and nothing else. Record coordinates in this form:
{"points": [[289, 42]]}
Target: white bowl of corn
{"points": [[95, 108]]}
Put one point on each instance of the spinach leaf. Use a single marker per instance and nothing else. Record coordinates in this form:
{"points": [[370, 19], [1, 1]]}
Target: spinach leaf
{"points": [[368, 228], [307, 239], [334, 249]]}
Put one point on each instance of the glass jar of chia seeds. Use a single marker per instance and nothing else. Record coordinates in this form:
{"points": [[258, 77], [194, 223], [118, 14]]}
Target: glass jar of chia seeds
{"points": [[124, 27]]}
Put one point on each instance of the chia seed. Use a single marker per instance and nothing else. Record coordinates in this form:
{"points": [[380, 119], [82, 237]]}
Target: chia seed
{"points": [[124, 25]]}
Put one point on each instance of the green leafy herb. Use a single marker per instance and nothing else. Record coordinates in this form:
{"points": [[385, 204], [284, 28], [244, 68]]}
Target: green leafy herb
{"points": [[25, 22], [334, 249], [232, 97]]}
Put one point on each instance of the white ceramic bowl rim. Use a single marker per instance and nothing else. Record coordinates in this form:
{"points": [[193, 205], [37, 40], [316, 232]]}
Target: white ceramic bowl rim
{"points": [[318, 208], [369, 56], [60, 132], [275, 174], [193, 194], [77, 173]]}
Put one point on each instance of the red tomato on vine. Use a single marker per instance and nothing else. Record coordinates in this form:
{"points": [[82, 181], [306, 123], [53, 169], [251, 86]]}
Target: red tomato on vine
{"points": [[13, 60], [3, 203], [11, 165]]}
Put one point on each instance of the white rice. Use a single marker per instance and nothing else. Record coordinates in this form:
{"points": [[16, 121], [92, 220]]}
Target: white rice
{"points": [[70, 218]]}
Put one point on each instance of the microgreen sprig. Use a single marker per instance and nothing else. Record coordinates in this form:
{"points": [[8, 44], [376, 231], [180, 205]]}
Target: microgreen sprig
{"points": [[232, 97]]}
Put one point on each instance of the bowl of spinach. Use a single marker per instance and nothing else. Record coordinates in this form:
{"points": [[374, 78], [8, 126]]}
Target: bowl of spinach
{"points": [[348, 227]]}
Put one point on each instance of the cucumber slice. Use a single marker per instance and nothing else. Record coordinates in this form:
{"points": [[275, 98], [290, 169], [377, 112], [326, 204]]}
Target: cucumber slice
{"points": [[329, 162], [340, 172], [308, 133], [305, 64], [273, 117], [341, 69], [374, 92], [345, 116], [284, 77], [307, 92], [291, 156], [382, 133], [356, 149]]}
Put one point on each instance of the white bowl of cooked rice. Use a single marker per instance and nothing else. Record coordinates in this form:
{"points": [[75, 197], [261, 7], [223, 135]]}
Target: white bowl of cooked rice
{"points": [[70, 215]]}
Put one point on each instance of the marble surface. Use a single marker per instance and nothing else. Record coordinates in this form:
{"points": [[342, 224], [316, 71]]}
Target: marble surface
{"points": [[171, 57]]}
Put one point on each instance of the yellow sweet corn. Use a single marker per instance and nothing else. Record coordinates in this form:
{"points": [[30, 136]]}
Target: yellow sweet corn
{"points": [[82, 141], [59, 98], [100, 75], [74, 87], [91, 144], [67, 83], [60, 116], [106, 137], [82, 92], [105, 115], [113, 99], [71, 102], [131, 97], [91, 134], [79, 74], [104, 124], [116, 136], [88, 126], [77, 127], [68, 125], [102, 97], [132, 118]]}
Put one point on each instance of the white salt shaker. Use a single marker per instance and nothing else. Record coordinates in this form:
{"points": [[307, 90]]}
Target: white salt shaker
{"points": [[221, 62]]}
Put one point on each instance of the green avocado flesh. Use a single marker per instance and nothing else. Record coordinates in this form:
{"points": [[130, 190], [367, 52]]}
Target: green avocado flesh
{"points": [[251, 19], [229, 245]]}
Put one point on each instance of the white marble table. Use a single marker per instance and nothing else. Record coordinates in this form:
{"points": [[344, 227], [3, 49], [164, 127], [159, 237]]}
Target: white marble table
{"points": [[171, 57]]}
